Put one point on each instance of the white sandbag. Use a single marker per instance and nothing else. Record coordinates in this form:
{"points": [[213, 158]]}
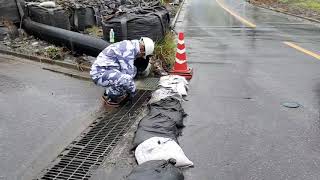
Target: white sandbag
{"points": [[48, 4], [176, 83], [163, 93], [159, 148], [175, 78]]}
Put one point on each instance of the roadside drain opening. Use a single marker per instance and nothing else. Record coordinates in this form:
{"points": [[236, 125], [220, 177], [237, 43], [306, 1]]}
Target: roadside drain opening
{"points": [[88, 151], [147, 83]]}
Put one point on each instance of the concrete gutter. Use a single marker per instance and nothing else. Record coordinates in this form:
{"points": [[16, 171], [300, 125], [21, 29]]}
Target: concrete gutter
{"points": [[46, 60], [174, 21], [67, 72], [149, 83]]}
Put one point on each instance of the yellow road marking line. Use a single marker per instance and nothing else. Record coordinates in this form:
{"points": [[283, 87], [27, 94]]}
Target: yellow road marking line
{"points": [[248, 23], [315, 55]]}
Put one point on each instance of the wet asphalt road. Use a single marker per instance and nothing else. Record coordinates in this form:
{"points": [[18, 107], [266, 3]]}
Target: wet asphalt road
{"points": [[40, 113], [237, 128]]}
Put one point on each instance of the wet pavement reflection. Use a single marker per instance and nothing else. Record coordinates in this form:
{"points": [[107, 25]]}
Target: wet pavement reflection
{"points": [[242, 75]]}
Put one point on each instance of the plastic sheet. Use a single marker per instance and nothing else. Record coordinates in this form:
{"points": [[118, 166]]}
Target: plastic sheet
{"points": [[156, 170]]}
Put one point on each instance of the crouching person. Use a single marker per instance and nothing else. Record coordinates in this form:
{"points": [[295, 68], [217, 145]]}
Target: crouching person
{"points": [[115, 68]]}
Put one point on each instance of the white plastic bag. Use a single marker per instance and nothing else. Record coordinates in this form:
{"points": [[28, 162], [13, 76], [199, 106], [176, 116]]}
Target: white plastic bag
{"points": [[159, 148]]}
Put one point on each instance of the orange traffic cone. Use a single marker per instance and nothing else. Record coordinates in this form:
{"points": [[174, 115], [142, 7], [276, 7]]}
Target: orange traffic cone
{"points": [[181, 67]]}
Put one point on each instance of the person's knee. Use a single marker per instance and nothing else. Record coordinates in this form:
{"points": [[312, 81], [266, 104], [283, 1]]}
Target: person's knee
{"points": [[126, 81]]}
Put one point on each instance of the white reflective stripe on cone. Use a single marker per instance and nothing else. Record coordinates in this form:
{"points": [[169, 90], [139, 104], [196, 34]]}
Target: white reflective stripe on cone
{"points": [[181, 51], [180, 61], [180, 41]]}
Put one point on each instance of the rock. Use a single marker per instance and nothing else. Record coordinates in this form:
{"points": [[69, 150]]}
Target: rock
{"points": [[8, 43], [158, 67], [22, 33], [88, 60], [37, 52], [35, 44], [48, 47], [48, 4], [15, 46], [91, 59]]}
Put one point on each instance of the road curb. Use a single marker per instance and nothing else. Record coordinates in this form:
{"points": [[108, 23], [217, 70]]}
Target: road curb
{"points": [[73, 75], [287, 13], [173, 23], [46, 60], [149, 83]]}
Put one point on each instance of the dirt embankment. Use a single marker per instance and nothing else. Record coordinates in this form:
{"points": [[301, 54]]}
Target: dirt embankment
{"points": [[305, 8]]}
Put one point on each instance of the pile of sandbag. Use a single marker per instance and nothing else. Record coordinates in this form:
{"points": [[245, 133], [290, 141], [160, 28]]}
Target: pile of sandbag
{"points": [[53, 14], [157, 150], [49, 14], [133, 23], [105, 7], [129, 19]]}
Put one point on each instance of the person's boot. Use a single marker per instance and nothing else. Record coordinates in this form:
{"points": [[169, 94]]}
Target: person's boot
{"points": [[116, 101]]}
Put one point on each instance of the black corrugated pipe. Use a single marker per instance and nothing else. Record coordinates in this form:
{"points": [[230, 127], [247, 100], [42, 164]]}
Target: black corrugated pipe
{"points": [[76, 42]]}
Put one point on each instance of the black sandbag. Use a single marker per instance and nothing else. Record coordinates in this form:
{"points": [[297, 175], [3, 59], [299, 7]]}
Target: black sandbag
{"points": [[155, 126], [9, 10], [56, 17], [4, 32], [163, 13], [170, 107], [76, 42], [156, 170], [152, 23], [83, 18], [8, 29], [98, 16]]}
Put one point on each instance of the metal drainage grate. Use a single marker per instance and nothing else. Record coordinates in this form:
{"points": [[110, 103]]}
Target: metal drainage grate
{"points": [[147, 83], [82, 156]]}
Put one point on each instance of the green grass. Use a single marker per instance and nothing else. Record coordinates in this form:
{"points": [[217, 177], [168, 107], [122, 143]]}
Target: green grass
{"points": [[53, 52], [165, 50], [308, 4], [163, 2]]}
